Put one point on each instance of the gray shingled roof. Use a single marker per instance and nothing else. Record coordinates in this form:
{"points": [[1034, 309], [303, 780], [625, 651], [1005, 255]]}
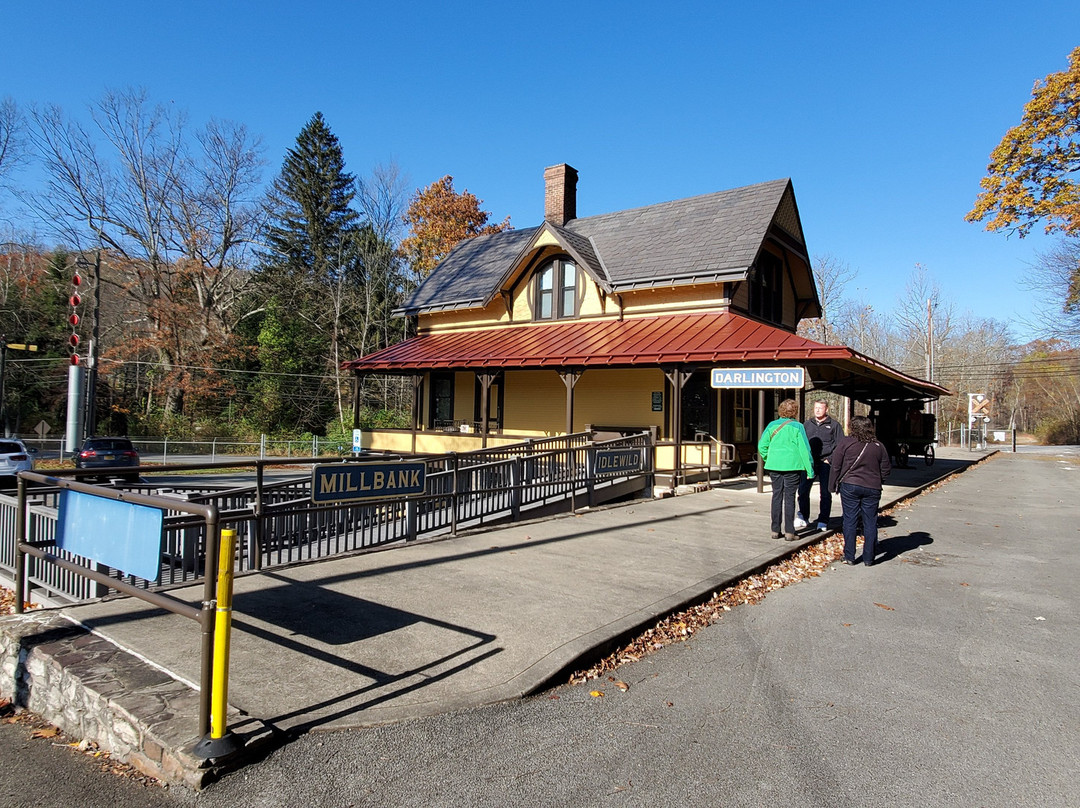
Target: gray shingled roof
{"points": [[471, 270], [712, 237]]}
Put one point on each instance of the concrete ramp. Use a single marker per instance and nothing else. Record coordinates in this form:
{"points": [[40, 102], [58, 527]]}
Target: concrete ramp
{"points": [[415, 630]]}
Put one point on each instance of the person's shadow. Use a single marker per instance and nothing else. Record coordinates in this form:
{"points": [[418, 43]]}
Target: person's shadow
{"points": [[894, 546]]}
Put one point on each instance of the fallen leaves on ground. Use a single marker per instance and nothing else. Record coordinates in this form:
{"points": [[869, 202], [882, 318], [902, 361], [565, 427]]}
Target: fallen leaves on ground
{"points": [[38, 729], [7, 601], [808, 562]]}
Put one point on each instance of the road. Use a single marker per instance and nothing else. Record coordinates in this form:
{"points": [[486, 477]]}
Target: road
{"points": [[945, 675]]}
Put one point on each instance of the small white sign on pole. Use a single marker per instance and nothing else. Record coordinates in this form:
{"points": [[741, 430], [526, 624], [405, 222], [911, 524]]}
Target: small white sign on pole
{"points": [[357, 438]]}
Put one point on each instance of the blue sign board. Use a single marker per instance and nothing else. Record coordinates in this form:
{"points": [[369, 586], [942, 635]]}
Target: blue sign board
{"points": [[618, 461], [347, 481], [122, 535], [783, 378]]}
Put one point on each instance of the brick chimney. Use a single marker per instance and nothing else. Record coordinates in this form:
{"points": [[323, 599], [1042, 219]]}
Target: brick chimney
{"points": [[560, 194]]}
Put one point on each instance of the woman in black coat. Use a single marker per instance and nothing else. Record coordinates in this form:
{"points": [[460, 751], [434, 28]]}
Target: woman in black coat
{"points": [[860, 465]]}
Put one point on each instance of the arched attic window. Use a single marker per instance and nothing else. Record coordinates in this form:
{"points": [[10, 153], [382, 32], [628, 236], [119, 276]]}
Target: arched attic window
{"points": [[556, 289]]}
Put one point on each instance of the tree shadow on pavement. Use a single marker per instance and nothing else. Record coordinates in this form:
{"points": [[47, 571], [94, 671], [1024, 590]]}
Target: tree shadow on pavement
{"points": [[895, 546]]}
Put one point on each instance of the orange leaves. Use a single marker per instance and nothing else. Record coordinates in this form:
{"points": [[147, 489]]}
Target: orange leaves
{"points": [[599, 694], [1027, 179], [438, 218]]}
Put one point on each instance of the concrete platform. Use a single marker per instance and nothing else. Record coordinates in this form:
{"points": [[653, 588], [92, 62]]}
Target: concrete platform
{"points": [[426, 628]]}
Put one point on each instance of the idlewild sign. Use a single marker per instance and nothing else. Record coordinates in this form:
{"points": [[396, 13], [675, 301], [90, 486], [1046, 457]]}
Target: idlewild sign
{"points": [[347, 481], [783, 378], [618, 461]]}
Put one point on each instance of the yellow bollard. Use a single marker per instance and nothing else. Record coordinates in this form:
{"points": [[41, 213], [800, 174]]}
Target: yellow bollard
{"points": [[222, 625]]}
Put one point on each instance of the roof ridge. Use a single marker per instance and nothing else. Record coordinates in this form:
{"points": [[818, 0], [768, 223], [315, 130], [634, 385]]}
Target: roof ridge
{"points": [[680, 201]]}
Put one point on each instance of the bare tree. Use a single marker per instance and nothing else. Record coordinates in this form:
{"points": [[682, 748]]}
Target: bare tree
{"points": [[12, 140], [831, 275], [1054, 277], [870, 332], [383, 197], [974, 357], [922, 301], [171, 217]]}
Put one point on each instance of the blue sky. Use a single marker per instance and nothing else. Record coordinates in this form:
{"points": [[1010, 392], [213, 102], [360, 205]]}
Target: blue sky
{"points": [[883, 115]]}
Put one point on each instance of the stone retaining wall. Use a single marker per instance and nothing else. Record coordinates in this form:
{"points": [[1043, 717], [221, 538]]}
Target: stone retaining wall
{"points": [[93, 690]]}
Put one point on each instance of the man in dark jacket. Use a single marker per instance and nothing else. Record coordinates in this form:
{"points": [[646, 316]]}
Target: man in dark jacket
{"points": [[823, 431]]}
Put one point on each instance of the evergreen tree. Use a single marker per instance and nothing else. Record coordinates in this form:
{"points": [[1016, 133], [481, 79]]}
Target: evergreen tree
{"points": [[311, 236]]}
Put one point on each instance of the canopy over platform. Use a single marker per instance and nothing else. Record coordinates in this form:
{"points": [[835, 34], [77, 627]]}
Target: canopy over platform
{"points": [[686, 341]]}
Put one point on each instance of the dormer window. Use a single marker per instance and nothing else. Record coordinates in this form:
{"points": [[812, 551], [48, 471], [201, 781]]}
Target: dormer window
{"points": [[555, 295]]}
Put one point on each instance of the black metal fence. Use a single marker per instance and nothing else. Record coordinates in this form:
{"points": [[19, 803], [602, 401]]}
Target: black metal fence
{"points": [[277, 522]]}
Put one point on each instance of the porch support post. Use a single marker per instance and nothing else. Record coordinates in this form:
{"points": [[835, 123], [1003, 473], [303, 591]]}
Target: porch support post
{"points": [[677, 378], [417, 410], [761, 427], [570, 379], [486, 380], [356, 387]]}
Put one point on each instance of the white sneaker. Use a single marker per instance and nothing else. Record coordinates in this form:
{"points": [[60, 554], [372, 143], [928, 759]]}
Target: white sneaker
{"points": [[800, 523]]}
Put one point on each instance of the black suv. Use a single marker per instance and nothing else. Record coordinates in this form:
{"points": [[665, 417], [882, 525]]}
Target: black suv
{"points": [[100, 453]]}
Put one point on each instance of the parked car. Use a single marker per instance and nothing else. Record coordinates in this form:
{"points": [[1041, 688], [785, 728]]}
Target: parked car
{"points": [[100, 453], [14, 457]]}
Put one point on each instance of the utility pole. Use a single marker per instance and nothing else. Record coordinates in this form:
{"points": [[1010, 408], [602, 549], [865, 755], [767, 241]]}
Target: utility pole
{"points": [[92, 354], [930, 405]]}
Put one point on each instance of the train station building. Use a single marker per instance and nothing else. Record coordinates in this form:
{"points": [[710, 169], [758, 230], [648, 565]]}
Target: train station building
{"points": [[615, 323]]}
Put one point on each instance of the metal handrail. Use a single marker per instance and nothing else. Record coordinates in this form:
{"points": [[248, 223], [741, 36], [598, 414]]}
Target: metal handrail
{"points": [[204, 616], [498, 485], [272, 527]]}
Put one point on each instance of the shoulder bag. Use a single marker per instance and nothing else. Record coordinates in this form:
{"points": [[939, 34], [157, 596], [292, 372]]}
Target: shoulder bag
{"points": [[840, 479]]}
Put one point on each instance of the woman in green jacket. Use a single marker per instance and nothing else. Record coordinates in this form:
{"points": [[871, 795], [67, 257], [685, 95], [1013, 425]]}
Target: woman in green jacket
{"points": [[786, 453]]}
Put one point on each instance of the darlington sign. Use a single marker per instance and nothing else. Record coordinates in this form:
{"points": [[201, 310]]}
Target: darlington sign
{"points": [[784, 378], [338, 483]]}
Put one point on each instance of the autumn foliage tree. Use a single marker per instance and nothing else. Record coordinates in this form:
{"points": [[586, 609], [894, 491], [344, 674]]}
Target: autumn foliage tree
{"points": [[1032, 172], [438, 218]]}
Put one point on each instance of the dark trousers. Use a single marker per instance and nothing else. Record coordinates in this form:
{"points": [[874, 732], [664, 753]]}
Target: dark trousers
{"points": [[785, 485], [860, 504], [821, 476]]}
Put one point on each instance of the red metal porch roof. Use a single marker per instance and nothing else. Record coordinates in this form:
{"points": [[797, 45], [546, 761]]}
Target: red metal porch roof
{"points": [[665, 340], [677, 339]]}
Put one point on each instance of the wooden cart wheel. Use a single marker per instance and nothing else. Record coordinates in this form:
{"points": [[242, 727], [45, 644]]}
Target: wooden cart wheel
{"points": [[930, 455]]}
